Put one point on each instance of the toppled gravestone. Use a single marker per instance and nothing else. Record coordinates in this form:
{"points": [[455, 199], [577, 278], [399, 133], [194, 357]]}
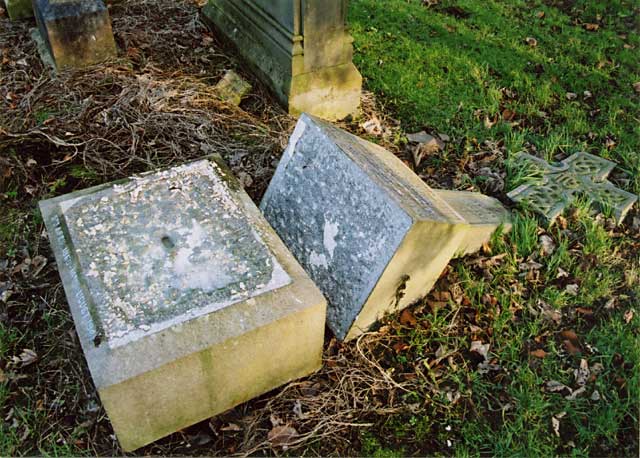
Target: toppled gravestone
{"points": [[371, 234], [185, 301], [76, 33], [559, 185]]}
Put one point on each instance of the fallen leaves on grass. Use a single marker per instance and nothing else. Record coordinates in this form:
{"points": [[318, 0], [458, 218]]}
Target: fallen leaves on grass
{"points": [[636, 86]]}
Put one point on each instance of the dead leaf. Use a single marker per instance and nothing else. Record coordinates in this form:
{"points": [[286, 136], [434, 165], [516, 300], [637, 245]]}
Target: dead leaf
{"points": [[231, 427], [575, 393], [547, 246], [591, 26], [400, 347], [408, 319], [628, 316], [555, 424], [3, 376], [540, 14], [584, 311], [553, 386], [539, 353], [482, 349], [636, 86], [572, 289], [562, 273], [571, 95], [282, 436], [373, 126], [595, 396], [531, 42], [569, 335], [570, 347], [436, 305], [28, 357], [582, 373]]}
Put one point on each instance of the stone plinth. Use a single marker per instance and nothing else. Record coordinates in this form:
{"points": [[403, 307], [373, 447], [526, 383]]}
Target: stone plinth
{"points": [[185, 301], [302, 50], [371, 234], [19, 9], [77, 33], [484, 215]]}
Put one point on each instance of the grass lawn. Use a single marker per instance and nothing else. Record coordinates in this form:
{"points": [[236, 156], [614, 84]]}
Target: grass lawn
{"points": [[527, 348], [550, 78]]}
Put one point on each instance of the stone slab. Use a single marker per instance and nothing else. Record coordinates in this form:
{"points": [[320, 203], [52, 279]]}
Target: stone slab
{"points": [[185, 301], [19, 9], [301, 50], [484, 215], [371, 234], [77, 33], [559, 185]]}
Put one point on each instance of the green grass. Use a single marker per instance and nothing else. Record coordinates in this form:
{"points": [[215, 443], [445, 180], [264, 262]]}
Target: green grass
{"points": [[451, 68], [448, 73]]}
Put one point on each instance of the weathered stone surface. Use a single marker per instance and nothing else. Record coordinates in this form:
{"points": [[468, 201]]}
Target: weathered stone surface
{"points": [[372, 235], [302, 50], [581, 173], [484, 215], [19, 9], [77, 33], [185, 301], [232, 88]]}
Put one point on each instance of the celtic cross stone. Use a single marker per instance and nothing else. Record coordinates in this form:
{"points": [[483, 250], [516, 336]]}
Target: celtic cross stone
{"points": [[581, 173]]}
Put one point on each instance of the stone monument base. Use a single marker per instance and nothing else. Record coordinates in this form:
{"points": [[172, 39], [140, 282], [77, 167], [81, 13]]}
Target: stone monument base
{"points": [[77, 33], [303, 79]]}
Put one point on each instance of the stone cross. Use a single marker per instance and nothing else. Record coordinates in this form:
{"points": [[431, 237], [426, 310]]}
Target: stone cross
{"points": [[302, 49], [579, 174]]}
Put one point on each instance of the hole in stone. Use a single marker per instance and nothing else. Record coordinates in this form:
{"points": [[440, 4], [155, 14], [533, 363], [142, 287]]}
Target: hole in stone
{"points": [[167, 242]]}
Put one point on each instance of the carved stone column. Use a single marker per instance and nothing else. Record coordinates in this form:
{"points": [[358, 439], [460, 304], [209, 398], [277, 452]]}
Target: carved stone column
{"points": [[301, 48]]}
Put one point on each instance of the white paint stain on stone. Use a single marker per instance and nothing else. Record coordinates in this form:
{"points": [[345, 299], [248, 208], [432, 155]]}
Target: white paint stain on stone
{"points": [[318, 260], [330, 233]]}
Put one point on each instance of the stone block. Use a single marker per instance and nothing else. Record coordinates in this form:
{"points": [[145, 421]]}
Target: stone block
{"points": [[484, 215], [185, 301], [302, 50], [19, 9], [232, 88], [371, 234], [77, 33]]}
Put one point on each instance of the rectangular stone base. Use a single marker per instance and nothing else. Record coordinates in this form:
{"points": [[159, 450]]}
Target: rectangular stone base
{"points": [[482, 213], [77, 33], [185, 301]]}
